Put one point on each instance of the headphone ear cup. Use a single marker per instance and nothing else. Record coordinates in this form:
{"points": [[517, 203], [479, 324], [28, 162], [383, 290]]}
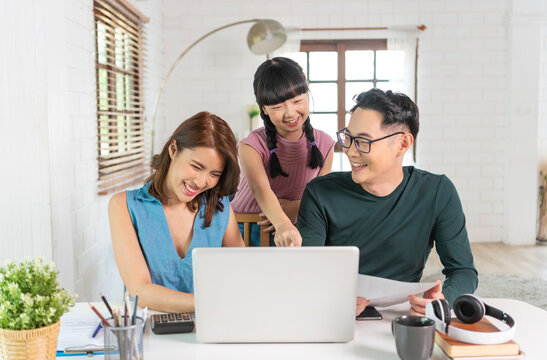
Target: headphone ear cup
{"points": [[469, 309], [441, 310]]}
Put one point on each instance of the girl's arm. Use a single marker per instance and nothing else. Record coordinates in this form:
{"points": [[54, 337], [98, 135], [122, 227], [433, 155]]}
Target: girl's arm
{"points": [[286, 233], [132, 266], [232, 236], [290, 207]]}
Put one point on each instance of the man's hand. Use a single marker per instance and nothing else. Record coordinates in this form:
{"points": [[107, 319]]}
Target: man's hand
{"points": [[418, 304], [361, 305]]}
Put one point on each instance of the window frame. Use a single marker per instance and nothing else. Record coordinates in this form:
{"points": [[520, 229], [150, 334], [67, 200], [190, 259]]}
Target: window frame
{"points": [[340, 47]]}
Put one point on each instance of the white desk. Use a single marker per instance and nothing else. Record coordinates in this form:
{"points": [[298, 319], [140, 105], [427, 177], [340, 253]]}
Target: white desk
{"points": [[373, 340]]}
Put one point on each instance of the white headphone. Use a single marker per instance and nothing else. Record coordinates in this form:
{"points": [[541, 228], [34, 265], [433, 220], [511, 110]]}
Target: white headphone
{"points": [[469, 309]]}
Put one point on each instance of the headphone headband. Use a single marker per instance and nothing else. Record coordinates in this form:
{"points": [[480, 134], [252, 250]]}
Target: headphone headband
{"points": [[469, 309]]}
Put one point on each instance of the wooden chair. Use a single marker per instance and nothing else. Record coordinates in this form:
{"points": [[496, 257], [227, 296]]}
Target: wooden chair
{"points": [[247, 219]]}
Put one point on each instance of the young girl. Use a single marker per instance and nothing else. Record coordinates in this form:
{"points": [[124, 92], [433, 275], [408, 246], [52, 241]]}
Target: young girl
{"points": [[279, 159], [182, 206]]}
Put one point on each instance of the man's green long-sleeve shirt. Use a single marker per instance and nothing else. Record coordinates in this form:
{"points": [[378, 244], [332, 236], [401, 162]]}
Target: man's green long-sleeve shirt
{"points": [[394, 233]]}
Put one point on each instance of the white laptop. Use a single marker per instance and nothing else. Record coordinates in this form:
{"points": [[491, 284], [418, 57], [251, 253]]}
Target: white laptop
{"points": [[275, 294]]}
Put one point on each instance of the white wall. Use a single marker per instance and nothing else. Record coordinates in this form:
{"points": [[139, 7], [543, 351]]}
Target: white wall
{"points": [[25, 211], [49, 205], [462, 90], [48, 140], [542, 129]]}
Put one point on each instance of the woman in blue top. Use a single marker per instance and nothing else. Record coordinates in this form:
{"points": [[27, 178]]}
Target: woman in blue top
{"points": [[183, 205]]}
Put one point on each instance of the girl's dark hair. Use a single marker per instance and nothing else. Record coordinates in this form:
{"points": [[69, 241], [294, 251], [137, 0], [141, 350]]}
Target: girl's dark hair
{"points": [[396, 108], [201, 130], [278, 80]]}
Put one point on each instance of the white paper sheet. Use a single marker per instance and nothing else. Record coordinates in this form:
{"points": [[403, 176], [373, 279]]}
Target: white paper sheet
{"points": [[76, 330], [386, 292]]}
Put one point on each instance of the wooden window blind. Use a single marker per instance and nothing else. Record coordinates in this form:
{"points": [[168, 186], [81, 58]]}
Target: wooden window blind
{"points": [[121, 136]]}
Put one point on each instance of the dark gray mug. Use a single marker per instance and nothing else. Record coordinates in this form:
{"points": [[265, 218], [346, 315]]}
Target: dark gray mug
{"points": [[414, 337]]}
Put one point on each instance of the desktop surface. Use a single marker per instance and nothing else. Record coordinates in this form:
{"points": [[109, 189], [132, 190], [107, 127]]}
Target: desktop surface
{"points": [[372, 340]]}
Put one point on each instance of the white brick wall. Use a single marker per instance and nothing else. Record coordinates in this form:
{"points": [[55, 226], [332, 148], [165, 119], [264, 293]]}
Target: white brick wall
{"points": [[25, 213], [47, 108], [462, 80], [542, 131], [48, 140]]}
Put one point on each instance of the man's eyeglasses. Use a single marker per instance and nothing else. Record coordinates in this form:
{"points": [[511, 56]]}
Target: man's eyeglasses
{"points": [[363, 145]]}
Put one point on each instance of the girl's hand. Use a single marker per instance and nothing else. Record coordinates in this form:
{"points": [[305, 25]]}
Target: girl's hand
{"points": [[287, 235]]}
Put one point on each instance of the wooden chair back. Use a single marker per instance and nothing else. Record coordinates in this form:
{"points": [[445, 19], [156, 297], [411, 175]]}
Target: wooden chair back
{"points": [[247, 220]]}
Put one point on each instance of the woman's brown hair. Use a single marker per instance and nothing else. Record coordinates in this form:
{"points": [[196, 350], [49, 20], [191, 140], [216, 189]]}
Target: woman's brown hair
{"points": [[201, 130]]}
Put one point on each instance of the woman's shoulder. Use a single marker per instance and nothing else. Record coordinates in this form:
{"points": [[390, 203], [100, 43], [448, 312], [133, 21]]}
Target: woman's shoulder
{"points": [[117, 200]]}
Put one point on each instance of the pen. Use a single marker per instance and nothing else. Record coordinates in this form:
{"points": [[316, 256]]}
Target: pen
{"points": [[134, 319], [107, 305], [99, 315], [97, 329]]}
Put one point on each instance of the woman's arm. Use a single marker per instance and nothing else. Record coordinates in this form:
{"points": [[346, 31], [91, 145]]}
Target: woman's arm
{"points": [[132, 266], [232, 235], [251, 163]]}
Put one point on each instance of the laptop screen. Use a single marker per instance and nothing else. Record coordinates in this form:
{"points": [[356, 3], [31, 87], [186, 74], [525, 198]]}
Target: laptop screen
{"points": [[275, 294]]}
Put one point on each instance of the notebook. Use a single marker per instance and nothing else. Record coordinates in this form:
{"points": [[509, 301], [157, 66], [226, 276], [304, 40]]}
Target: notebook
{"points": [[250, 295]]}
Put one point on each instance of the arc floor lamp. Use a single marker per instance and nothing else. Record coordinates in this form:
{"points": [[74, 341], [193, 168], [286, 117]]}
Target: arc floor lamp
{"points": [[264, 37]]}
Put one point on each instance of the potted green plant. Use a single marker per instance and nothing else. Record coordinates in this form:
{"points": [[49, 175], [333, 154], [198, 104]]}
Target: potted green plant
{"points": [[31, 304], [252, 113]]}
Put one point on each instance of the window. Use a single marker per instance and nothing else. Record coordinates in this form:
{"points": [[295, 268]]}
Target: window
{"points": [[120, 118], [338, 70]]}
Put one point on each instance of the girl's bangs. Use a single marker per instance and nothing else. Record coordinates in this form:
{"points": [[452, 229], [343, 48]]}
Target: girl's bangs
{"points": [[287, 86]]}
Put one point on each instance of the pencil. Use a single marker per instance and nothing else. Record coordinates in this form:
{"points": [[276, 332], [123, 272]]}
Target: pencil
{"points": [[135, 309], [116, 323], [124, 314], [119, 314], [107, 305], [99, 315]]}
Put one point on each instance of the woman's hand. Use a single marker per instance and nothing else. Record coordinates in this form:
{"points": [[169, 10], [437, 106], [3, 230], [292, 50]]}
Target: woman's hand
{"points": [[265, 222]]}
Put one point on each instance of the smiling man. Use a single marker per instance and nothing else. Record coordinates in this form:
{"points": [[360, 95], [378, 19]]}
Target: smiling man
{"points": [[393, 214]]}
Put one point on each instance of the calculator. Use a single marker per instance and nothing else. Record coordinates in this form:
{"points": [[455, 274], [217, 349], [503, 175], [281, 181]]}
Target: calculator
{"points": [[172, 323]]}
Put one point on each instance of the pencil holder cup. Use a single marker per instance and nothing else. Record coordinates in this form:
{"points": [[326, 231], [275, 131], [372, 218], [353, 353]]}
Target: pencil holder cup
{"points": [[124, 342]]}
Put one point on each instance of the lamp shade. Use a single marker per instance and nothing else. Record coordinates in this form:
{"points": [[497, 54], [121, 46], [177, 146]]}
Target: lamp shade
{"points": [[266, 36]]}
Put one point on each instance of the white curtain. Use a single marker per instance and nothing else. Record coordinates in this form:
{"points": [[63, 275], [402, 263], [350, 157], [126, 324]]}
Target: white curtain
{"points": [[405, 41]]}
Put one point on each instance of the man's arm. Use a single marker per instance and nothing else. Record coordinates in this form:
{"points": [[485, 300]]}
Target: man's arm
{"points": [[452, 243], [312, 223]]}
